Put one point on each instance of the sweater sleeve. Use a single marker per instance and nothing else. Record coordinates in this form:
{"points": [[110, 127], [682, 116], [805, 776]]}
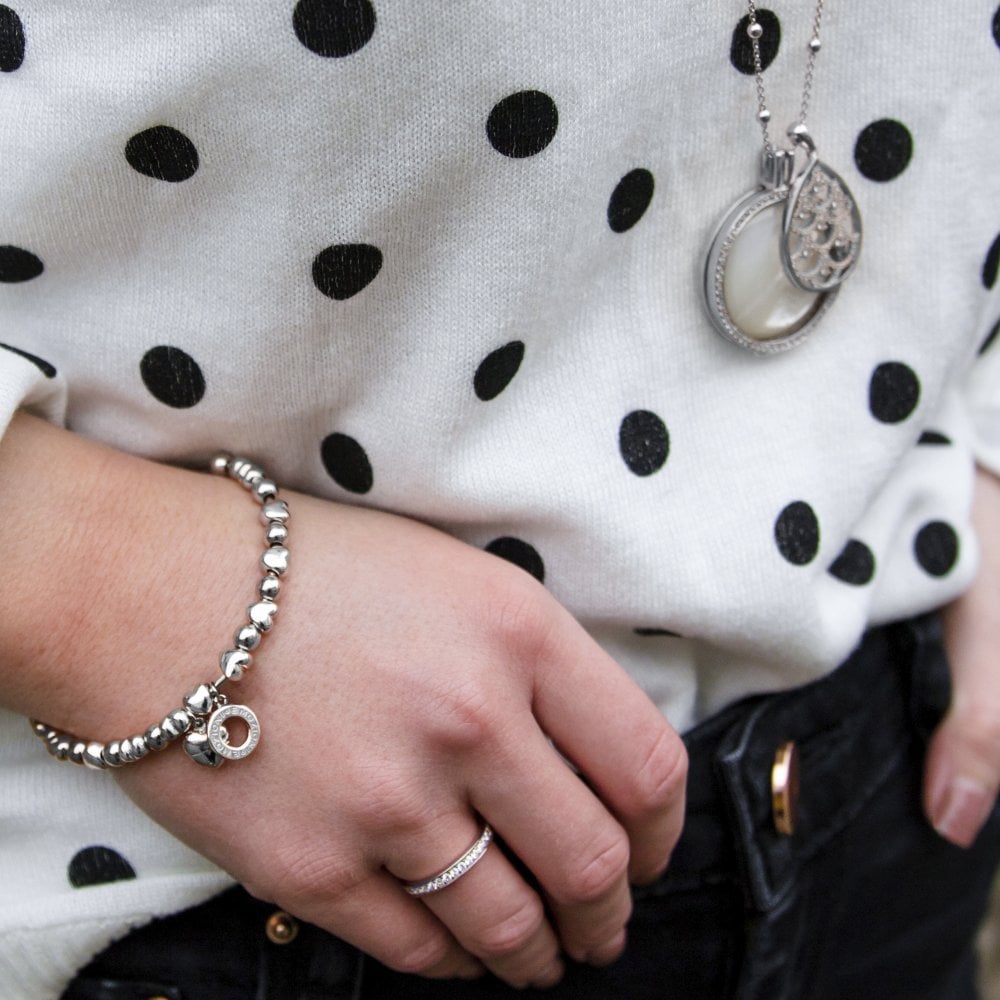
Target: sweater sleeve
{"points": [[29, 382]]}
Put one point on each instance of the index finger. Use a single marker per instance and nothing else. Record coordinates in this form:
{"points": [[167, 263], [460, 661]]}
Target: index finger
{"points": [[609, 729]]}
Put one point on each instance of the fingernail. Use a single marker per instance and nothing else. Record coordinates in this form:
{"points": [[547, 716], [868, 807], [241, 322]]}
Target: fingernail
{"points": [[960, 809]]}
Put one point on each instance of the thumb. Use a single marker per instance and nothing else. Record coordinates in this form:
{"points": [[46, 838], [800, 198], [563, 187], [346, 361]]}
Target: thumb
{"points": [[962, 773]]}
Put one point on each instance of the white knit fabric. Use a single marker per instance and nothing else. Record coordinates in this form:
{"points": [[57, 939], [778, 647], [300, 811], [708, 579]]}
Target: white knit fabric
{"points": [[506, 363]]}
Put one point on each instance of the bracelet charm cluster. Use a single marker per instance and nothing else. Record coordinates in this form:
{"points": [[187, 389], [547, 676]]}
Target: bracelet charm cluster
{"points": [[201, 717]]}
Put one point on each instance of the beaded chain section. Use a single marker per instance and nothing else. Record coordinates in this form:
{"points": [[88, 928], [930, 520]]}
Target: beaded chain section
{"points": [[201, 716]]}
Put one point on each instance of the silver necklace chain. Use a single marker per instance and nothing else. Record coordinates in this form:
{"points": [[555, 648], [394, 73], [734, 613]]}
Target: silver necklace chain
{"points": [[755, 31]]}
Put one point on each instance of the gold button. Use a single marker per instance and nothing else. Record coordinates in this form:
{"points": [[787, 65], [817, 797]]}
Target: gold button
{"points": [[785, 788], [281, 927]]}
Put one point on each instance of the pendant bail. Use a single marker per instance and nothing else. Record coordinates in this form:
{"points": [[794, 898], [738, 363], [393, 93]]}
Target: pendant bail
{"points": [[777, 168]]}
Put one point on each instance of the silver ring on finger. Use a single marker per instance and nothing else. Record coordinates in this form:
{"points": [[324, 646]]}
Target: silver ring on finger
{"points": [[455, 870]]}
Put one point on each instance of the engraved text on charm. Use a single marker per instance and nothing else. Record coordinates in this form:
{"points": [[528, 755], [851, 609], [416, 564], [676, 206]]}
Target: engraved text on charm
{"points": [[218, 737]]}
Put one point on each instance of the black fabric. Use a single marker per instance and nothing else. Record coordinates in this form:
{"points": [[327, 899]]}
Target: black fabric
{"points": [[864, 901]]}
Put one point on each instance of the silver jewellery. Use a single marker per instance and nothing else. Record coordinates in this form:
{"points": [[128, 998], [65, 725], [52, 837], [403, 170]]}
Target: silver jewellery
{"points": [[202, 716], [455, 870], [780, 254]]}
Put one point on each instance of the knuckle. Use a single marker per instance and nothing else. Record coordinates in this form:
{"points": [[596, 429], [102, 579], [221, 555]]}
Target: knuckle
{"points": [[596, 878], [511, 933], [464, 719], [661, 778], [518, 617]]}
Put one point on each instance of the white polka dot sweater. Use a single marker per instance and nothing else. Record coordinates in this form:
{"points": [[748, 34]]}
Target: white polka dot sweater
{"points": [[446, 260]]}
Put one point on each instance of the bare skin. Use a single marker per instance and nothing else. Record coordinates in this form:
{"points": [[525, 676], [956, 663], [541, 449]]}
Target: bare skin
{"points": [[407, 692], [407, 688]]}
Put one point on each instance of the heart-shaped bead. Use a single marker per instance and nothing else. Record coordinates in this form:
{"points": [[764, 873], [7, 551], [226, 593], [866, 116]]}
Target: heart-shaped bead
{"points": [[234, 662], [198, 748], [275, 559], [200, 701], [262, 614], [276, 510]]}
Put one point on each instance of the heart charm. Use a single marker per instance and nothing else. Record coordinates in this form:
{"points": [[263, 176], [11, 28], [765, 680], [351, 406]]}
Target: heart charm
{"points": [[200, 750], [276, 510], [275, 559], [262, 614], [201, 701], [234, 662]]}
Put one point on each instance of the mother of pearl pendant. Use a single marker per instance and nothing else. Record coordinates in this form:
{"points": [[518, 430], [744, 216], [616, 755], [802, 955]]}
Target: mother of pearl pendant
{"points": [[780, 254]]}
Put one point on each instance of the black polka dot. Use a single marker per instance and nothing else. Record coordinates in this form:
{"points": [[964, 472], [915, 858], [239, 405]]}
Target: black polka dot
{"points": [[346, 463], [990, 338], [741, 48], [18, 265], [996, 26], [97, 865], [936, 548], [796, 532], [893, 392], [163, 153], [643, 442], [992, 264], [934, 438], [522, 124], [11, 40], [883, 149], [334, 27], [855, 565], [520, 554], [343, 270], [46, 369], [172, 376], [630, 199], [497, 369]]}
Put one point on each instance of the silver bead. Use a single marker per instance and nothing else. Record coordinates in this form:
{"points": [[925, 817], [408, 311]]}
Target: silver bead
{"points": [[125, 751], [200, 701], [264, 491], [815, 44], [764, 115], [234, 662], [276, 533], [250, 475], [276, 510], [76, 751], [93, 756], [238, 466], [275, 559], [40, 728], [62, 748], [755, 30], [112, 753], [269, 588], [218, 464], [156, 738], [197, 747], [247, 637], [181, 719], [262, 614], [139, 747]]}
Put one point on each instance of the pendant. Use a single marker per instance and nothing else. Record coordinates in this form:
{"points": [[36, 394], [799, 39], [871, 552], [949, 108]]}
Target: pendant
{"points": [[780, 254], [218, 737]]}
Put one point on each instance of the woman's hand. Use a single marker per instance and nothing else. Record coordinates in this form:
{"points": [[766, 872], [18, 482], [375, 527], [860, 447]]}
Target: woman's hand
{"points": [[963, 765], [407, 693]]}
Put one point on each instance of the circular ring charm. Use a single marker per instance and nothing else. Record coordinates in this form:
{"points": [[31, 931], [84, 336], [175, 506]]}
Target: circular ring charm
{"points": [[749, 298], [219, 738]]}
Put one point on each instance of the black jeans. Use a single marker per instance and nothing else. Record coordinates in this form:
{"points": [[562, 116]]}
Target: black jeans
{"points": [[863, 902]]}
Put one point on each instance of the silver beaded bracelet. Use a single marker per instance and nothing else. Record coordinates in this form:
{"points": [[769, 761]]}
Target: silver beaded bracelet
{"points": [[202, 716]]}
